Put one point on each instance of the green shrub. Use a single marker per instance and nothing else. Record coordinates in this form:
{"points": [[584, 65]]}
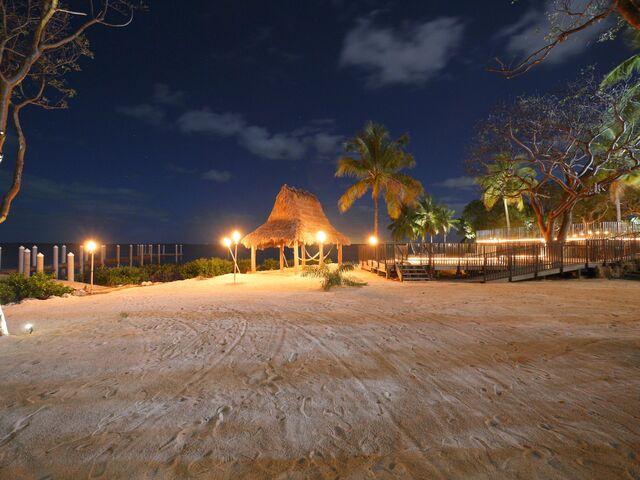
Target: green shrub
{"points": [[206, 267], [244, 264], [270, 264], [168, 272], [17, 287], [112, 277]]}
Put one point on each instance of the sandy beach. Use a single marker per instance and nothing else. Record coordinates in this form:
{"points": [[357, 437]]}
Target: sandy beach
{"points": [[274, 378]]}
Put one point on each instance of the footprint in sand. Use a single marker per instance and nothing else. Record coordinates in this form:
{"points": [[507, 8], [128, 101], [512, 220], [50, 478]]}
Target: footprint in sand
{"points": [[100, 463]]}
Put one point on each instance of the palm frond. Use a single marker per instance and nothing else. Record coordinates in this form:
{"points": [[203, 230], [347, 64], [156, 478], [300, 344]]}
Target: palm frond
{"points": [[353, 193]]}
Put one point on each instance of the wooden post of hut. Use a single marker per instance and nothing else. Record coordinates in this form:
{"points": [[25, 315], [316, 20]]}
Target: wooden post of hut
{"points": [[295, 220], [282, 256], [339, 254], [253, 259]]}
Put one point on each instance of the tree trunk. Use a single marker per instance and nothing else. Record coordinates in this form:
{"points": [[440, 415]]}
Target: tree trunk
{"points": [[630, 11], [3, 324], [8, 197], [618, 209], [506, 213], [567, 220], [375, 216]]}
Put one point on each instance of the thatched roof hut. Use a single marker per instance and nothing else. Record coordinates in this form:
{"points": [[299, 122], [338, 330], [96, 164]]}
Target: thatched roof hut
{"points": [[296, 218]]}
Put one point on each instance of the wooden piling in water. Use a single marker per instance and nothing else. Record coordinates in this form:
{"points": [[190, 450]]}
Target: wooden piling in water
{"points": [[70, 267], [56, 259], [27, 263], [21, 259]]}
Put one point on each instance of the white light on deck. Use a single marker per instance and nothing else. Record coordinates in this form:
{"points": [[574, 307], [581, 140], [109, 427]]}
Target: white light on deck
{"points": [[373, 240], [28, 327]]}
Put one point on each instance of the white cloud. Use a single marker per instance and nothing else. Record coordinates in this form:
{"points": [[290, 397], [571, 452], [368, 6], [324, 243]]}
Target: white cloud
{"points": [[530, 32], [145, 112], [293, 145], [407, 55], [219, 176], [460, 183], [206, 121], [163, 95]]}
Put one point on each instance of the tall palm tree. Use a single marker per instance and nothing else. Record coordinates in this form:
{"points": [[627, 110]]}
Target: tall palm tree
{"points": [[505, 180], [618, 188], [426, 218], [405, 226], [377, 163], [445, 219]]}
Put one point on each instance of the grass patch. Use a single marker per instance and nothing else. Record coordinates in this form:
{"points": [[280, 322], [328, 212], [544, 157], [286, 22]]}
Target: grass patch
{"points": [[334, 277]]}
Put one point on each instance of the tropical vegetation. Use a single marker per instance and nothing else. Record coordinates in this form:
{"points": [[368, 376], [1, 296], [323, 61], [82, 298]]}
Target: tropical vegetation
{"points": [[377, 162]]}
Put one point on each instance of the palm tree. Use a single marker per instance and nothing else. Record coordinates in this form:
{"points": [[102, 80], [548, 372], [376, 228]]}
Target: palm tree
{"points": [[426, 219], [505, 180], [405, 226], [618, 188], [377, 165], [445, 220]]}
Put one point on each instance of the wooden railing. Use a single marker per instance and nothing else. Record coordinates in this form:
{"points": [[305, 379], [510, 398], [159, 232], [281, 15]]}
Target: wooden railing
{"points": [[505, 260], [595, 230]]}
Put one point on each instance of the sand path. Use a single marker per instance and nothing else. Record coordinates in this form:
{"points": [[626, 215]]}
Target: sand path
{"points": [[273, 378]]}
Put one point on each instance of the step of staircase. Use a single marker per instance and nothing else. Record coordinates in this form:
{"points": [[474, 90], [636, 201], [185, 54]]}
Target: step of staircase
{"points": [[414, 273]]}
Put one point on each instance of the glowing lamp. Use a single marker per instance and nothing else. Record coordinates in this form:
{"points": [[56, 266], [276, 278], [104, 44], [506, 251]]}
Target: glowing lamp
{"points": [[373, 240], [28, 327], [91, 246], [321, 237], [235, 236], [226, 241]]}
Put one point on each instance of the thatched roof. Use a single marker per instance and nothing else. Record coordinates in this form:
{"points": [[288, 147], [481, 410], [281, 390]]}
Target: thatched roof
{"points": [[296, 215]]}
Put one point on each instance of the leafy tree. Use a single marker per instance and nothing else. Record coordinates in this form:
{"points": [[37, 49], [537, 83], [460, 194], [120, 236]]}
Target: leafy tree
{"points": [[506, 179], [405, 226], [577, 143], [620, 187], [377, 163], [40, 43]]}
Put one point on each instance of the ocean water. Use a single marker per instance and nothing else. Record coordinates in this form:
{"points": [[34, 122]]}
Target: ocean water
{"points": [[9, 258]]}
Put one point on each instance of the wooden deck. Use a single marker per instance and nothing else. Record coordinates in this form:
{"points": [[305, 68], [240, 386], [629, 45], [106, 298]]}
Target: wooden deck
{"points": [[497, 262]]}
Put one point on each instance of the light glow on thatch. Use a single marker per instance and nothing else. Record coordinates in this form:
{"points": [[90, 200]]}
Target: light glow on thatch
{"points": [[297, 216]]}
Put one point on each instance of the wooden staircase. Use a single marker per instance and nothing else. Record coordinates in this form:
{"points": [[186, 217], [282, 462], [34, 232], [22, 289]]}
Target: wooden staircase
{"points": [[413, 273]]}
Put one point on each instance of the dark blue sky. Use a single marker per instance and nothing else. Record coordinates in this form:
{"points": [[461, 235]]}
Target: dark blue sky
{"points": [[188, 122]]}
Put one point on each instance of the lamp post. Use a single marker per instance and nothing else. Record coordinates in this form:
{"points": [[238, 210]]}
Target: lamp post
{"points": [[227, 242], [90, 246], [373, 241], [321, 237]]}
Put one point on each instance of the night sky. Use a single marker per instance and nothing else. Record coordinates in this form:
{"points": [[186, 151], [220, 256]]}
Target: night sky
{"points": [[189, 121]]}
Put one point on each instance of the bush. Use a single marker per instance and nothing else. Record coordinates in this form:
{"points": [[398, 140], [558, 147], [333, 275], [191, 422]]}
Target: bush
{"points": [[17, 287], [206, 267], [112, 277], [270, 264]]}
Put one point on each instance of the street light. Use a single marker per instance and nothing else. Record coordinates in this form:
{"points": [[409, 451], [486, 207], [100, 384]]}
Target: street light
{"points": [[373, 240], [321, 237], [91, 246]]}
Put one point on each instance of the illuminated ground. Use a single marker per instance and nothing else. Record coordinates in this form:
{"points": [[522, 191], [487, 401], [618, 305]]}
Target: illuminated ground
{"points": [[274, 378]]}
